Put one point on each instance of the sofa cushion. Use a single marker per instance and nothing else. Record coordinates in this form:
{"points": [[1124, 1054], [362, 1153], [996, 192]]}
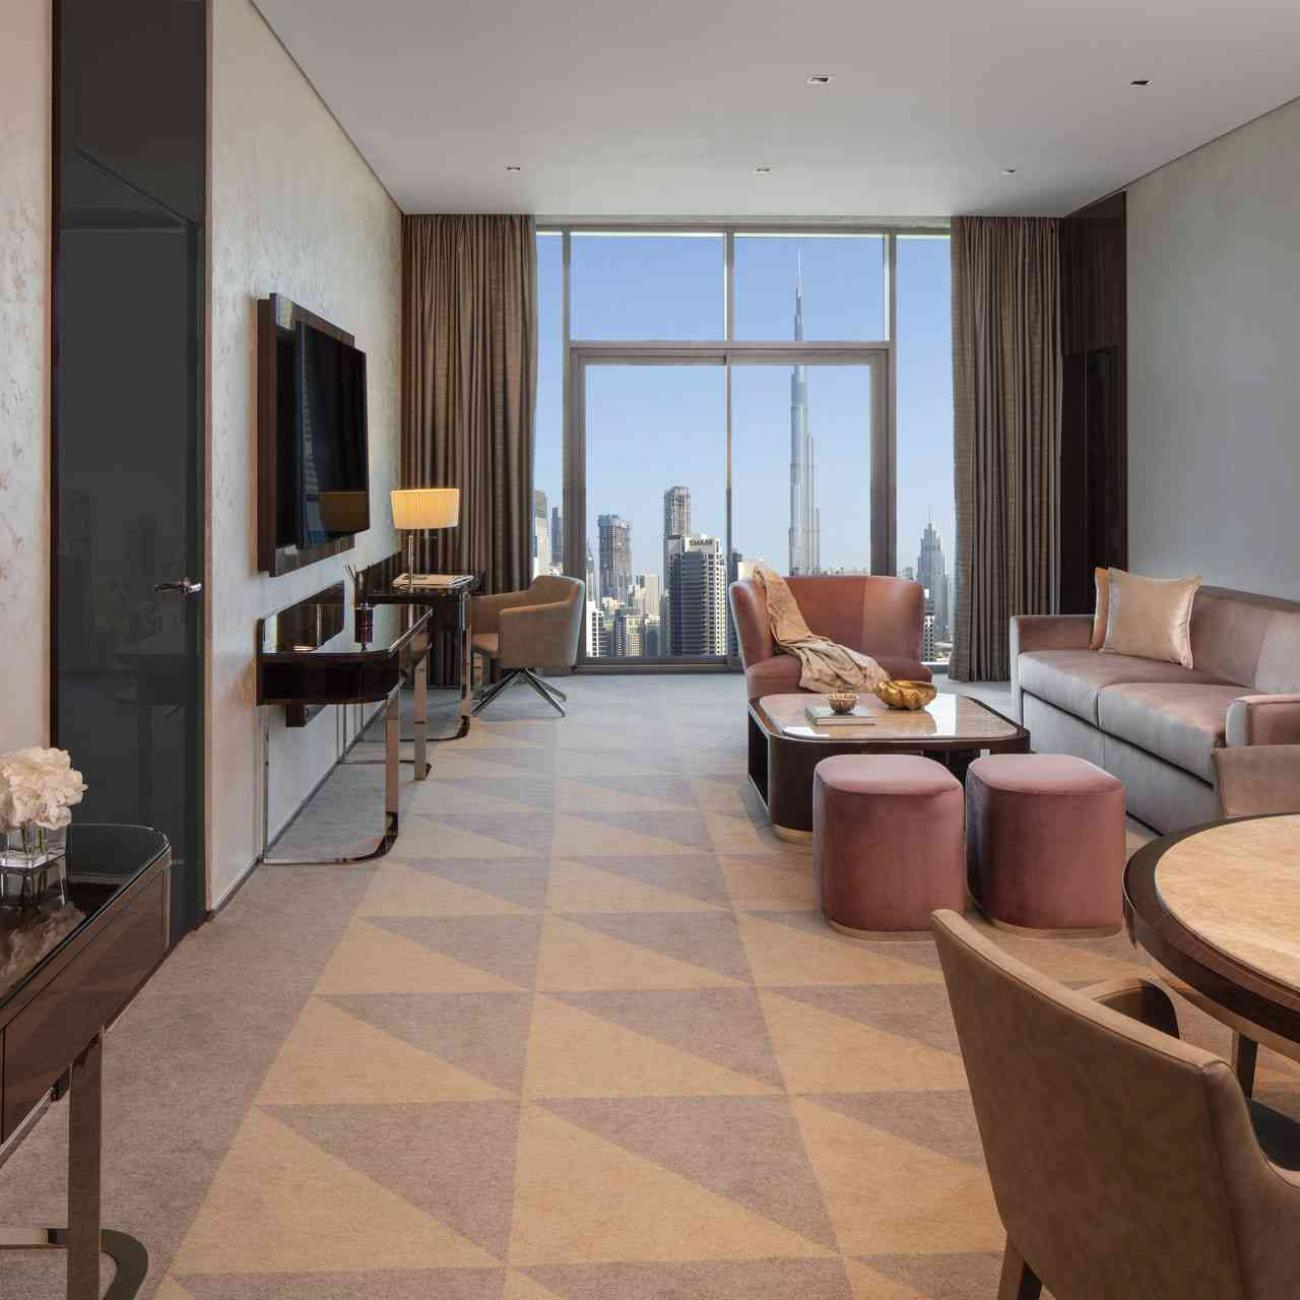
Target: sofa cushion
{"points": [[1181, 723], [1073, 679]]}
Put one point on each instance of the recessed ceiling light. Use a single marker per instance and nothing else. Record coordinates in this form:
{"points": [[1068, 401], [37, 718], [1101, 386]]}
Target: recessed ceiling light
{"points": [[1008, 171], [513, 167], [820, 79], [1140, 81], [762, 171]]}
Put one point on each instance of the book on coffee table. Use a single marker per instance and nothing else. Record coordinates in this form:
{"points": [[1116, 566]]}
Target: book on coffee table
{"points": [[822, 715]]}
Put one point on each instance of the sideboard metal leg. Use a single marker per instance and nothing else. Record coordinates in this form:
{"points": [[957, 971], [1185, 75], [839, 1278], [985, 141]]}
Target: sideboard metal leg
{"points": [[83, 1239], [421, 715], [85, 1154]]}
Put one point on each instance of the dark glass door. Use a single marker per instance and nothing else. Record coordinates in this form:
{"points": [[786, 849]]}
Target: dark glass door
{"points": [[127, 679]]}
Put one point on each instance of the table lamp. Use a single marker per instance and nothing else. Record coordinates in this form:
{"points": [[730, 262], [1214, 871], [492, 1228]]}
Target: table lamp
{"points": [[418, 509]]}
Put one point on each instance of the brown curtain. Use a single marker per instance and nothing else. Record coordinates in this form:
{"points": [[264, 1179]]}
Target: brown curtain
{"points": [[469, 379], [1006, 431]]}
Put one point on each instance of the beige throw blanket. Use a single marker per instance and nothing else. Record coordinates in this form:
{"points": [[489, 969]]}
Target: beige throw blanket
{"points": [[826, 665]]}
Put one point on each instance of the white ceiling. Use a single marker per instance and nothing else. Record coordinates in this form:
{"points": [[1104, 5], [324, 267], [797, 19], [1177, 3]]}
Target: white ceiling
{"points": [[666, 108]]}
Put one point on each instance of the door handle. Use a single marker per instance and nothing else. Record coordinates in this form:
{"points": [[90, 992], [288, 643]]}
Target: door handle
{"points": [[183, 585]]}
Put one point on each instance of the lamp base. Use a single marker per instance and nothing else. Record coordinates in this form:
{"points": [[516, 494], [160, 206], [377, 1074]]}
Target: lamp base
{"points": [[410, 559]]}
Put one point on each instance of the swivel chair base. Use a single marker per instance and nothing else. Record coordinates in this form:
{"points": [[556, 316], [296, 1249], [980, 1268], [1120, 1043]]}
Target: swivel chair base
{"points": [[551, 694]]}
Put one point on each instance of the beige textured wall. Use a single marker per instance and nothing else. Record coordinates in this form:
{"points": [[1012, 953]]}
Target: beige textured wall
{"points": [[24, 370], [1214, 361], [293, 209]]}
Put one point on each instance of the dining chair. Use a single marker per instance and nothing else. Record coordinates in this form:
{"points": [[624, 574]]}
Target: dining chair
{"points": [[524, 632], [1125, 1163], [1257, 779]]}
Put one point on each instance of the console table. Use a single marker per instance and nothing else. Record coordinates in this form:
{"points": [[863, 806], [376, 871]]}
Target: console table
{"points": [[55, 1006], [300, 669], [449, 608]]}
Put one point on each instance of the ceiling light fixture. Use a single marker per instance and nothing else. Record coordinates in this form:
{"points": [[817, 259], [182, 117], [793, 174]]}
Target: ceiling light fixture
{"points": [[820, 79], [1008, 171], [1140, 81], [513, 167], [762, 171]]}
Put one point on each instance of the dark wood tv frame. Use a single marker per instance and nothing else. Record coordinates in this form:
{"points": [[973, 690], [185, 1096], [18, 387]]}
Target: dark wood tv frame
{"points": [[275, 314]]}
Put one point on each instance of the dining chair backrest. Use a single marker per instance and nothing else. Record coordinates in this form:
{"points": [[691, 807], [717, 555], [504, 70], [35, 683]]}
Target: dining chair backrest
{"points": [[1122, 1160]]}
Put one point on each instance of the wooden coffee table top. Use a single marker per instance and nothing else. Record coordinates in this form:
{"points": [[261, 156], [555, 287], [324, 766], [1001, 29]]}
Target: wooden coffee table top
{"points": [[1219, 907], [948, 720]]}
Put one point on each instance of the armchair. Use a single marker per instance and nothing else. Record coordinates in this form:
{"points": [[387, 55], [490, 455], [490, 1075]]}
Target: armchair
{"points": [[524, 632], [1124, 1162], [876, 615]]}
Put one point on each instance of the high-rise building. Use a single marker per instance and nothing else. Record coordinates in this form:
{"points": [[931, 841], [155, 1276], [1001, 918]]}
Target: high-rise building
{"points": [[932, 574], [629, 633], [737, 568], [652, 629], [615, 556], [805, 518], [557, 538], [677, 524], [645, 594], [677, 511], [541, 534], [697, 597], [596, 639]]}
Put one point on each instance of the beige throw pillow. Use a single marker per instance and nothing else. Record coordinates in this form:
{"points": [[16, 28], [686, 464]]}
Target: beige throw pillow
{"points": [[1150, 617]]}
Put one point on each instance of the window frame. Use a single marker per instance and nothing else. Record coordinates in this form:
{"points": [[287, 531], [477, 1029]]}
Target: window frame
{"points": [[879, 355]]}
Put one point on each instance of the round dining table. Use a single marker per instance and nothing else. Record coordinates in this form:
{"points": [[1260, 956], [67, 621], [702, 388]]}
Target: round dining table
{"points": [[1217, 909]]}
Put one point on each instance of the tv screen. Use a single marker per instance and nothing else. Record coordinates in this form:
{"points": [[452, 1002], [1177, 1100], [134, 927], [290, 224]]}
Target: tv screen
{"points": [[332, 461]]}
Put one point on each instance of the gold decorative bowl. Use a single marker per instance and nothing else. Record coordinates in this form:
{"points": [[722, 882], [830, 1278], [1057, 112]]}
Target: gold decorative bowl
{"points": [[842, 701], [907, 695]]}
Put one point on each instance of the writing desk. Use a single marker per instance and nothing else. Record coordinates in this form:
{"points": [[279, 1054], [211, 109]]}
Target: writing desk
{"points": [[308, 657]]}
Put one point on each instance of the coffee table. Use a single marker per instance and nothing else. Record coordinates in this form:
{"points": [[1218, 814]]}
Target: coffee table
{"points": [[784, 747]]}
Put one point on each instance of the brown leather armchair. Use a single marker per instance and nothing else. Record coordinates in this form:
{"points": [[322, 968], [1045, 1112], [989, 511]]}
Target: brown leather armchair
{"points": [[1124, 1162], [524, 632], [877, 616]]}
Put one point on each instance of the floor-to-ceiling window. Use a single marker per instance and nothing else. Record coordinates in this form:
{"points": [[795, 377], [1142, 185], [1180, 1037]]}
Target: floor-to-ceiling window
{"points": [[714, 398]]}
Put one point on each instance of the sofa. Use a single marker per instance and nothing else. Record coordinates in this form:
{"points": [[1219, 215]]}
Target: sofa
{"points": [[1156, 725], [877, 616]]}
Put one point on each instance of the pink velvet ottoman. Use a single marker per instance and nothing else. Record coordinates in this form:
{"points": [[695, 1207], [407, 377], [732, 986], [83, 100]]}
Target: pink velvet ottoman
{"points": [[887, 841], [1046, 842]]}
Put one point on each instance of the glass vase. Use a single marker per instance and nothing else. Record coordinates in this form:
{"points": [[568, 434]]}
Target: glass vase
{"points": [[30, 847]]}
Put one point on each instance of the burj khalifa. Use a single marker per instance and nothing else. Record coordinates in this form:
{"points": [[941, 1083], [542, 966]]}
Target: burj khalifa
{"points": [[805, 519]]}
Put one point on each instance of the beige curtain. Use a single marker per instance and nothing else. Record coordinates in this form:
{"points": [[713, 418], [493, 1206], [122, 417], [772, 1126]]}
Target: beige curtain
{"points": [[469, 379], [1006, 430]]}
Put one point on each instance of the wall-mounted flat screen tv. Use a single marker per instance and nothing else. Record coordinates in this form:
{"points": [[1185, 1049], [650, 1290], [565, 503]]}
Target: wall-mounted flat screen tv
{"points": [[313, 482], [333, 464]]}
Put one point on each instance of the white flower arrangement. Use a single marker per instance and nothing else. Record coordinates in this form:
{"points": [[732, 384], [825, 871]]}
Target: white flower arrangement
{"points": [[38, 788]]}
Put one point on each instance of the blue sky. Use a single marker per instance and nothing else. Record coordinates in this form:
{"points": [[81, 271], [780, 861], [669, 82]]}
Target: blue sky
{"points": [[649, 427]]}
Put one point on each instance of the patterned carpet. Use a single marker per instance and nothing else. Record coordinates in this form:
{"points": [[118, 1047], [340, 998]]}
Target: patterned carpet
{"points": [[584, 1036]]}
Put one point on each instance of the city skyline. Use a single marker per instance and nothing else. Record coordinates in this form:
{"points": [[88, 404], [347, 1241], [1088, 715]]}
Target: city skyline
{"points": [[635, 614]]}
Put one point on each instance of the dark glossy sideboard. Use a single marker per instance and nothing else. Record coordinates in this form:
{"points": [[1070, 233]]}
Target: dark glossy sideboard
{"points": [[53, 1014]]}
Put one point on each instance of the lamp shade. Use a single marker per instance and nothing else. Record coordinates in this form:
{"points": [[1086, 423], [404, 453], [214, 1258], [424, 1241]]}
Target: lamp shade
{"points": [[426, 507]]}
